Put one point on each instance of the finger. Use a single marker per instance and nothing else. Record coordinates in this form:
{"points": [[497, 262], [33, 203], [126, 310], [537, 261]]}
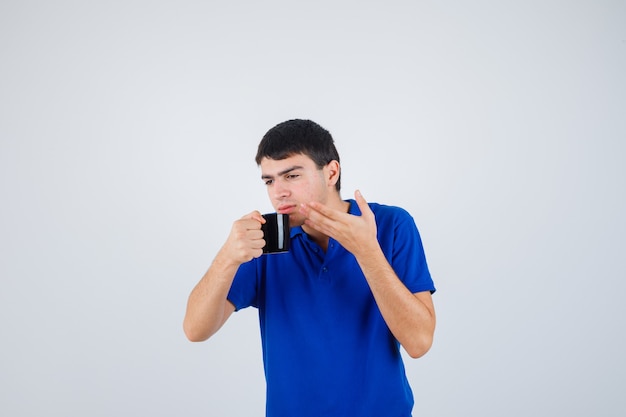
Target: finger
{"points": [[256, 215], [313, 207], [313, 217], [362, 203], [255, 234], [251, 224], [254, 220]]}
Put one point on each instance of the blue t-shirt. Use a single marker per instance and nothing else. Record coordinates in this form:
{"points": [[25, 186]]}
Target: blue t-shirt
{"points": [[326, 349]]}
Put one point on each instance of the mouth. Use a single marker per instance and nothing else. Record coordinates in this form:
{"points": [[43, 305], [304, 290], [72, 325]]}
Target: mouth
{"points": [[286, 209]]}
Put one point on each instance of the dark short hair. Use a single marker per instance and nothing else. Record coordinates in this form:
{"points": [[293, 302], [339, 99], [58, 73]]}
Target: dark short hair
{"points": [[299, 136]]}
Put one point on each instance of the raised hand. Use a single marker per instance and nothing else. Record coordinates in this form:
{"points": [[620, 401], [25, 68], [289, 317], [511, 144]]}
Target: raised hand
{"points": [[355, 233]]}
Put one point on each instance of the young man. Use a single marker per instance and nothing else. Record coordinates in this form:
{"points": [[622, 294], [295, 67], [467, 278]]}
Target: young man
{"points": [[335, 309]]}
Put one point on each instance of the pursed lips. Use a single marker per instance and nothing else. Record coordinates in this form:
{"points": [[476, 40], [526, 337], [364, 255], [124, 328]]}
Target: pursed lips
{"points": [[286, 208]]}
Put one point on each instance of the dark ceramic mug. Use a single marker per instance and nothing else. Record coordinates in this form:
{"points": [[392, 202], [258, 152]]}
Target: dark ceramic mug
{"points": [[276, 233]]}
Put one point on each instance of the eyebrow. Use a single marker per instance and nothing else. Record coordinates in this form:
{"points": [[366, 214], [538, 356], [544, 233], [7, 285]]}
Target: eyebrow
{"points": [[283, 172]]}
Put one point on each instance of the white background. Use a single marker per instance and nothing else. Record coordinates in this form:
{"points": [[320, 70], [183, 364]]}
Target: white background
{"points": [[128, 132]]}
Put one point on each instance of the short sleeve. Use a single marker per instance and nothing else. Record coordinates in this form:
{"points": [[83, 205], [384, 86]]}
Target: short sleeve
{"points": [[244, 289], [408, 258]]}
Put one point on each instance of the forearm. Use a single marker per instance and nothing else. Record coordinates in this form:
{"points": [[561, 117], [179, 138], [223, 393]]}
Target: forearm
{"points": [[410, 317], [207, 308]]}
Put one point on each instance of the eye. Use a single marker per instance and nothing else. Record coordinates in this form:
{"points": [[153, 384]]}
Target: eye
{"points": [[269, 182], [291, 176]]}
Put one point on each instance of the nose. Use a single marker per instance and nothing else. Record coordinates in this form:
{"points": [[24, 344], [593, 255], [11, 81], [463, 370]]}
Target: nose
{"points": [[280, 190]]}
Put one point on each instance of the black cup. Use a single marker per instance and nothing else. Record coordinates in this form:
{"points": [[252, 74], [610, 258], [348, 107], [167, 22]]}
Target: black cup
{"points": [[276, 233]]}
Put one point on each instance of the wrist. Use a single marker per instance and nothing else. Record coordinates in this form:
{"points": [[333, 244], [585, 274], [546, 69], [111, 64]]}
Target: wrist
{"points": [[369, 252], [224, 262]]}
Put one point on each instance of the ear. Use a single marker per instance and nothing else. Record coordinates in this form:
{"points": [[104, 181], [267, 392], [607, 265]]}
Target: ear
{"points": [[333, 169]]}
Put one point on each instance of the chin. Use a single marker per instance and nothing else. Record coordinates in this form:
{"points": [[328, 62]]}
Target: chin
{"points": [[295, 221]]}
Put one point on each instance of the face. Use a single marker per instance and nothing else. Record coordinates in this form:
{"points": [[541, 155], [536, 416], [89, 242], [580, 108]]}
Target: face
{"points": [[296, 180]]}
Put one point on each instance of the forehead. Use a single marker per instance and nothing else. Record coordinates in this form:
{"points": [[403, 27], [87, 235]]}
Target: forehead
{"points": [[278, 166]]}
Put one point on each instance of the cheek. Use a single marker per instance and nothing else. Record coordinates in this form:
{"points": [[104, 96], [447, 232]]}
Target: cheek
{"points": [[313, 192]]}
